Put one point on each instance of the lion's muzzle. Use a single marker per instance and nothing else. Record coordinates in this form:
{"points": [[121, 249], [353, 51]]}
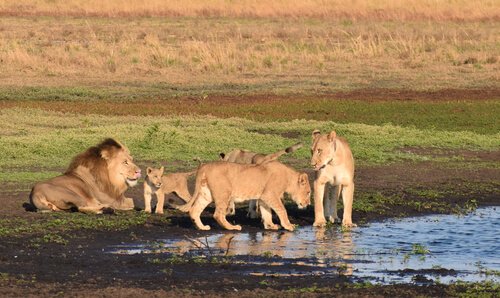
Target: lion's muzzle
{"points": [[133, 181]]}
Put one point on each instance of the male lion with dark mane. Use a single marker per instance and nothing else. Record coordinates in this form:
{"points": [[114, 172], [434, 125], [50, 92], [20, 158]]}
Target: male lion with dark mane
{"points": [[95, 182]]}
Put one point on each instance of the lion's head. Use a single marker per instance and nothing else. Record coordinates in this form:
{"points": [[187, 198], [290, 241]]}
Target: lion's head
{"points": [[153, 176], [323, 149], [111, 165], [301, 191]]}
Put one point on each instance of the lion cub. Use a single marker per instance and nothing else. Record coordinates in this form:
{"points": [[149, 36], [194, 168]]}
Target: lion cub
{"points": [[162, 185]]}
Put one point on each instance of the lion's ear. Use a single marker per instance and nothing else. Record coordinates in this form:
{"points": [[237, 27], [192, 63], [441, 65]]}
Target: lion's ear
{"points": [[161, 170], [106, 154], [222, 155], [148, 170], [303, 179], [315, 134], [332, 135]]}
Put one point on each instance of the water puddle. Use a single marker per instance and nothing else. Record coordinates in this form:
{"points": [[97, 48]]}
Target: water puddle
{"points": [[442, 248]]}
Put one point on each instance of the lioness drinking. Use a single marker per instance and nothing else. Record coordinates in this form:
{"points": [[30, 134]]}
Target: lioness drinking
{"points": [[248, 157], [225, 182]]}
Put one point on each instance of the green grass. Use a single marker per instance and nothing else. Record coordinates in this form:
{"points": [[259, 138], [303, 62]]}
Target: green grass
{"points": [[52, 224], [35, 138], [22, 176], [483, 289], [478, 116]]}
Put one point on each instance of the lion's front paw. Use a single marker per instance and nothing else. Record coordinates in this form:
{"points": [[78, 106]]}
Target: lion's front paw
{"points": [[289, 227], [319, 223], [204, 228], [271, 226], [236, 228], [348, 224]]}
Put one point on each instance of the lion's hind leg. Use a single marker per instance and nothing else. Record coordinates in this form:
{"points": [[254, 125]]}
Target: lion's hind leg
{"points": [[43, 205], [220, 214], [253, 209], [334, 195], [267, 217], [347, 198], [201, 201], [39, 199], [278, 207]]}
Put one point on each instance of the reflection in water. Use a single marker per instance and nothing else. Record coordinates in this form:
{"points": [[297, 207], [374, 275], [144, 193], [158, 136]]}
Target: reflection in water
{"points": [[468, 244]]}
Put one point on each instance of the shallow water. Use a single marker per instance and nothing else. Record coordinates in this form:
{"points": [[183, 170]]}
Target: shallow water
{"points": [[468, 247]]}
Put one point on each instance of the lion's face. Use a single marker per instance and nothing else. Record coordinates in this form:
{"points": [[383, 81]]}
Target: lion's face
{"points": [[323, 149], [122, 169], [302, 193], [153, 176]]}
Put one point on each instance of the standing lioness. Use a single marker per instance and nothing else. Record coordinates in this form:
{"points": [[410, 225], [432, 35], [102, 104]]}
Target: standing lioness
{"points": [[332, 159], [224, 182]]}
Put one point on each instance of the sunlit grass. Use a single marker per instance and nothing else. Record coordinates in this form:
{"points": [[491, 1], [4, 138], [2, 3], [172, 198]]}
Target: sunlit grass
{"points": [[306, 55], [372, 9], [34, 138]]}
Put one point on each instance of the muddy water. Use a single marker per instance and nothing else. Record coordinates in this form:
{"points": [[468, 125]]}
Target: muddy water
{"points": [[442, 248]]}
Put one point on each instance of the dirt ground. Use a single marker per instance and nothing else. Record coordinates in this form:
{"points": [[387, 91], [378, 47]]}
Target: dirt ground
{"points": [[189, 104], [80, 267]]}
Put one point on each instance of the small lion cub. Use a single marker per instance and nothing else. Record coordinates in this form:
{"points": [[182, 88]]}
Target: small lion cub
{"points": [[162, 185]]}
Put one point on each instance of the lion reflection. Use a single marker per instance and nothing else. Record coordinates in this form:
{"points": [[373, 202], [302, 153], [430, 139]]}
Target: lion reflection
{"points": [[328, 247]]}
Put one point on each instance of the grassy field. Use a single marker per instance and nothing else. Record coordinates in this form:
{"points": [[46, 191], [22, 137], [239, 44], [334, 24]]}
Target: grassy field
{"points": [[278, 55], [34, 138], [374, 9]]}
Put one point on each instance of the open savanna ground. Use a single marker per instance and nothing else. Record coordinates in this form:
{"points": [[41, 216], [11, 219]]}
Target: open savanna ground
{"points": [[412, 85]]}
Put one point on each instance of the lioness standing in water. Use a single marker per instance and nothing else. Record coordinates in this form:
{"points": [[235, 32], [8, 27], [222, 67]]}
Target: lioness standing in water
{"points": [[248, 157], [224, 182], [332, 159]]}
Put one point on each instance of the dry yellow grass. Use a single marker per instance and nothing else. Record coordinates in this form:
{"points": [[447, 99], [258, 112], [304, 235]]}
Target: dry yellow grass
{"points": [[342, 54], [331, 9]]}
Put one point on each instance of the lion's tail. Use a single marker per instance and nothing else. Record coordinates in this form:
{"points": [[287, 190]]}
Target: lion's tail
{"points": [[276, 155], [200, 181]]}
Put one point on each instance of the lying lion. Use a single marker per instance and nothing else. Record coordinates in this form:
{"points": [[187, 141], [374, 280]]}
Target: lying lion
{"points": [[162, 185], [225, 182], [95, 182], [248, 157], [332, 159]]}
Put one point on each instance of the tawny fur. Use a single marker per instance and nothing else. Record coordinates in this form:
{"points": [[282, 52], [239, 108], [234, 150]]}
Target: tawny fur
{"points": [[333, 160], [161, 184], [95, 182], [226, 182], [248, 157]]}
